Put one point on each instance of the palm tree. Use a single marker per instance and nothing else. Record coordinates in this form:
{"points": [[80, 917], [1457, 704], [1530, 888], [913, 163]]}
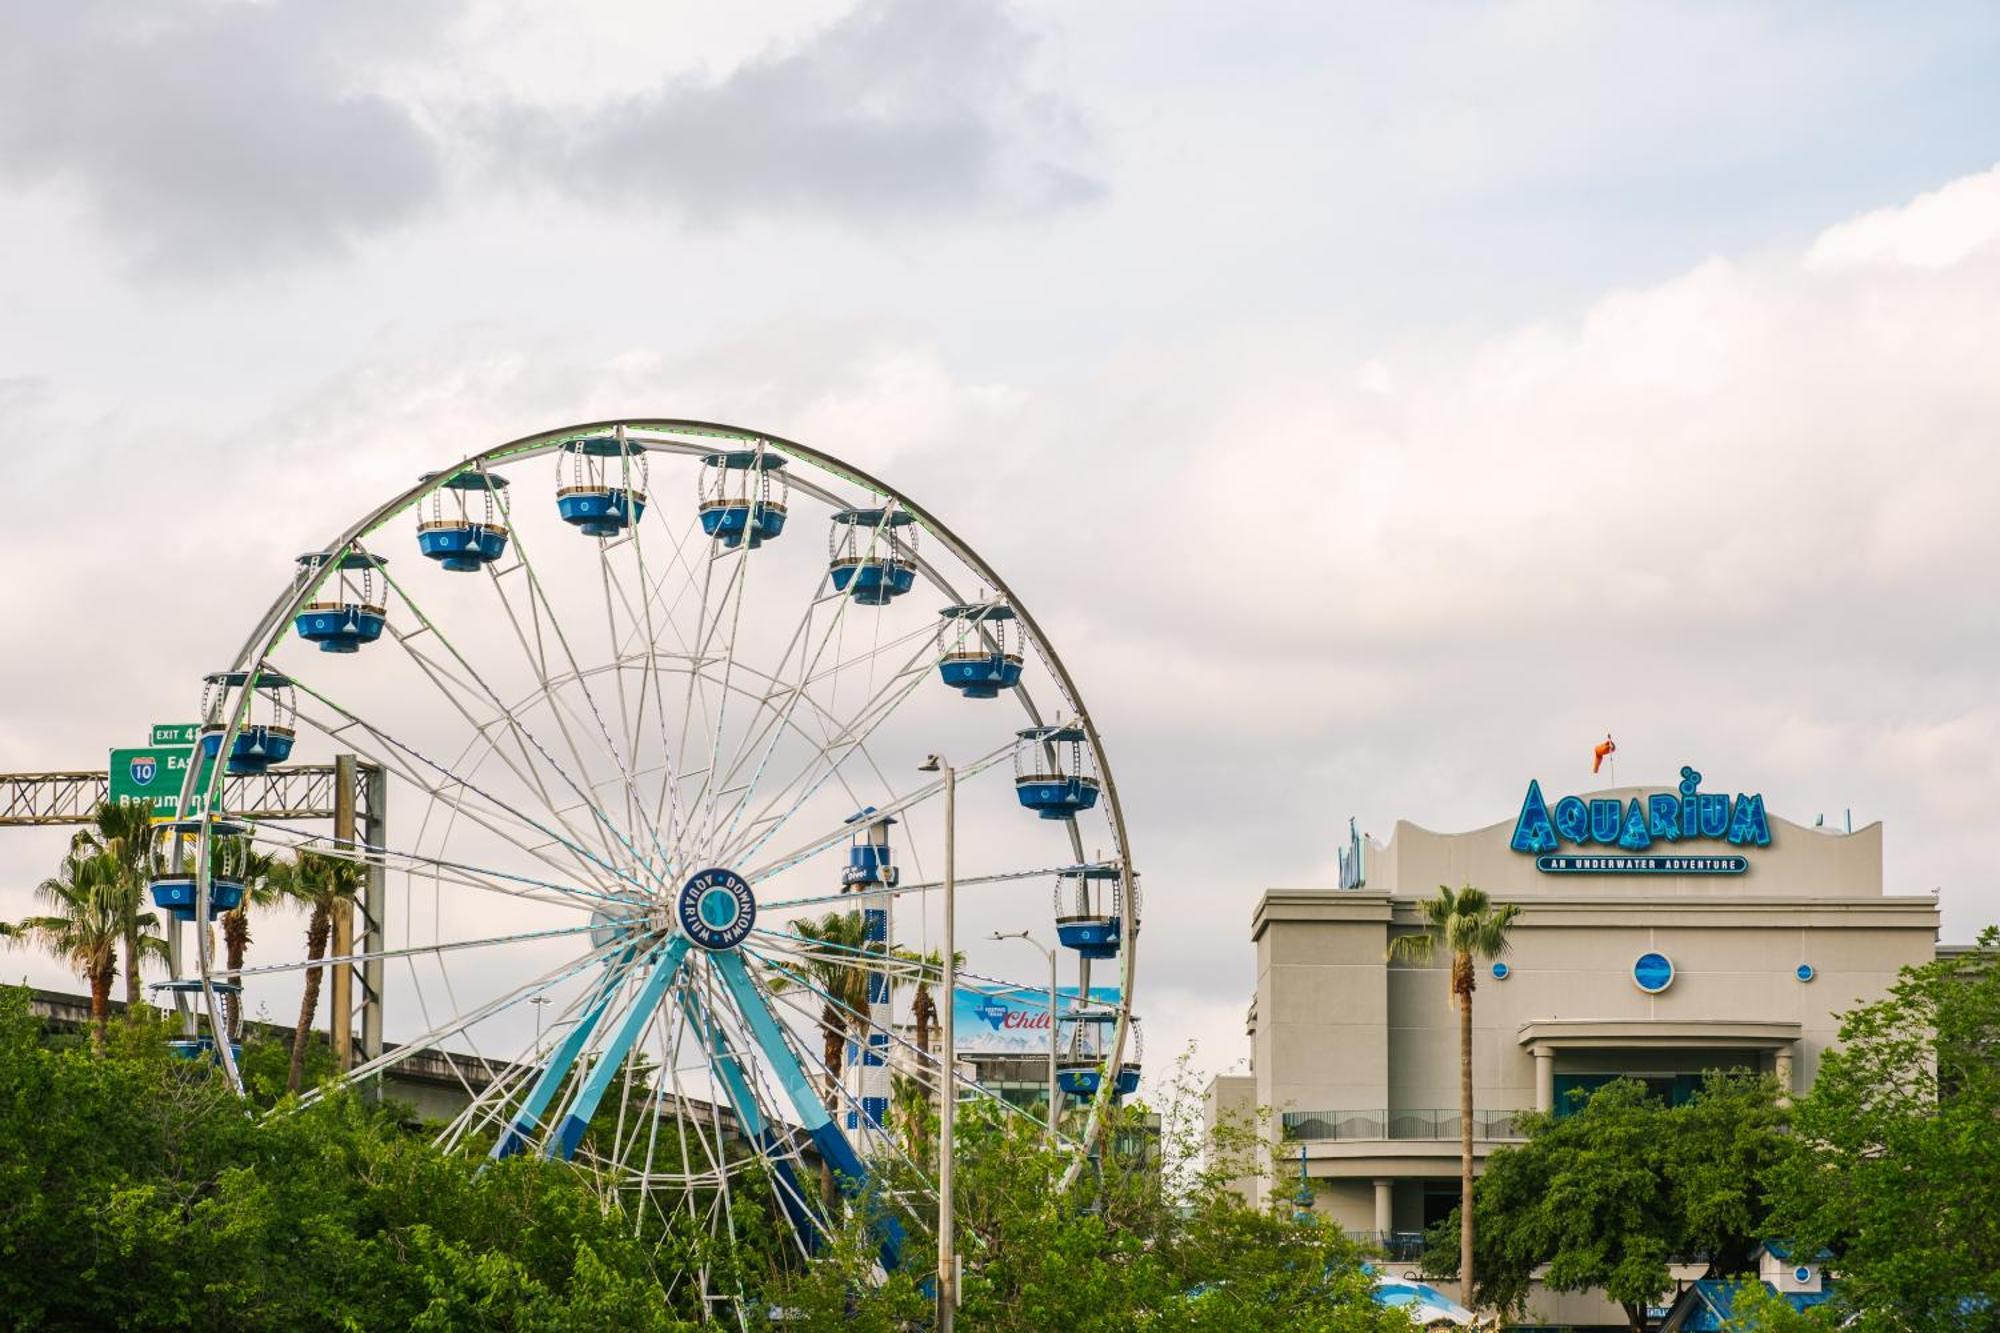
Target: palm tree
{"points": [[318, 881], [123, 834], [83, 926], [833, 967], [1469, 927], [923, 1005], [262, 886]]}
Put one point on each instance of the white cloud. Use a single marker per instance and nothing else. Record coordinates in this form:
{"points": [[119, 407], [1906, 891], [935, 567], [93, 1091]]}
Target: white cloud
{"points": [[1934, 230]]}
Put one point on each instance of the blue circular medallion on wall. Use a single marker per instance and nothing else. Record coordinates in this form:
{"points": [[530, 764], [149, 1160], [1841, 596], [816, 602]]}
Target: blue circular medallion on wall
{"points": [[716, 909], [1501, 971], [1804, 972], [1653, 972], [1802, 1275]]}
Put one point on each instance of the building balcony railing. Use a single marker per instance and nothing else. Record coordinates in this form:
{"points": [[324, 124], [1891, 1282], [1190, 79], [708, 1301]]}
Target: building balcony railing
{"points": [[1324, 1126], [1397, 1246]]}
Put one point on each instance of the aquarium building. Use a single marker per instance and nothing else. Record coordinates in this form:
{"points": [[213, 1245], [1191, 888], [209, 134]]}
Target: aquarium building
{"points": [[1665, 931]]}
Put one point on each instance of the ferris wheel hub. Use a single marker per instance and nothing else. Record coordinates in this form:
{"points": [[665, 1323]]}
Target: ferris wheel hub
{"points": [[716, 909]]}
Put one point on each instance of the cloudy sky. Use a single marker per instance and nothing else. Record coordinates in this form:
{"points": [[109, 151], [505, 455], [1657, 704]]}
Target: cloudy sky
{"points": [[1376, 403]]}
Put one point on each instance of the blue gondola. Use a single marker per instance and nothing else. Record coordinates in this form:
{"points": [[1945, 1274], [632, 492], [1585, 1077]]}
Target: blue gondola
{"points": [[1089, 902], [171, 855], [346, 612], [269, 726], [979, 648], [868, 859], [192, 986], [452, 533], [198, 1048], [602, 484], [1128, 1078], [873, 554], [1050, 774], [736, 499], [1079, 1078]]}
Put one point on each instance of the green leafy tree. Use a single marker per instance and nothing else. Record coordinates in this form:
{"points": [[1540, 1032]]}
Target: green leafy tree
{"points": [[1468, 928], [1610, 1195], [1894, 1161], [319, 882], [138, 1195]]}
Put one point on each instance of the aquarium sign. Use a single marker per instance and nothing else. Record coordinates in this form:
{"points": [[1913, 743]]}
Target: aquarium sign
{"points": [[1649, 833]]}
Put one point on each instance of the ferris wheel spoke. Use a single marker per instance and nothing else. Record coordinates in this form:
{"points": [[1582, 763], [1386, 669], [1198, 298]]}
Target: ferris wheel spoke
{"points": [[476, 687], [702, 808], [452, 788], [429, 1040], [341, 960], [839, 835], [493, 1107], [536, 656], [728, 1069], [859, 895], [845, 741], [433, 868], [648, 691], [831, 752]]}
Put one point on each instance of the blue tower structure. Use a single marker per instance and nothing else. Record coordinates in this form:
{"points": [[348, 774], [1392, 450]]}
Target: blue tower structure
{"points": [[270, 724], [737, 505], [871, 870], [872, 554], [1052, 772], [348, 611], [462, 536], [601, 484], [979, 648]]}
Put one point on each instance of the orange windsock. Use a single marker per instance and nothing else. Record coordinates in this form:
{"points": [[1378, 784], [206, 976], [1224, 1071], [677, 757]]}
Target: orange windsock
{"points": [[1605, 748]]}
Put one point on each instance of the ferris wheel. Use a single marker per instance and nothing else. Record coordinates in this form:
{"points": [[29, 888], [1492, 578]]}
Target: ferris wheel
{"points": [[664, 872]]}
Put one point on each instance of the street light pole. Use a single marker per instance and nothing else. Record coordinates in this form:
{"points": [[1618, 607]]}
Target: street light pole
{"points": [[538, 1002], [947, 1267], [1051, 955]]}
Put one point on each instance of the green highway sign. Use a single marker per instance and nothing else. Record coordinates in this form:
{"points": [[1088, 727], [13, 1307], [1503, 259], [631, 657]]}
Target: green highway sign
{"points": [[174, 733], [152, 776]]}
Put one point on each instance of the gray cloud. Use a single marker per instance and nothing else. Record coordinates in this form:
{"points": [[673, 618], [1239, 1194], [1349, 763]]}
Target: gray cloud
{"points": [[901, 107], [209, 137], [212, 137]]}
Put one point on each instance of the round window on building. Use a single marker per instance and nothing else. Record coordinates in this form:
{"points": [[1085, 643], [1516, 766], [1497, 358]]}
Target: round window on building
{"points": [[1805, 972], [1802, 1275], [1653, 972], [1501, 971]]}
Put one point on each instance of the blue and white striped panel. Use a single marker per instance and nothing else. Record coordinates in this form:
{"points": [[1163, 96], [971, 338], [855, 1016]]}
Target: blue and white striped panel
{"points": [[874, 1088]]}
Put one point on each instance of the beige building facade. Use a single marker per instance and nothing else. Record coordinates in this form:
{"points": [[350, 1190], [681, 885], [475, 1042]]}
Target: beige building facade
{"points": [[1664, 931]]}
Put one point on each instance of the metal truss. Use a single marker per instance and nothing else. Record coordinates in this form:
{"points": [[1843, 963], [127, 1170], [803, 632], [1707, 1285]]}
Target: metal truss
{"points": [[294, 791]]}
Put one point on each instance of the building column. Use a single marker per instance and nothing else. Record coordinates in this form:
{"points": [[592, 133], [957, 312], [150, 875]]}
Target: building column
{"points": [[1782, 1066], [1385, 1211], [1545, 1079]]}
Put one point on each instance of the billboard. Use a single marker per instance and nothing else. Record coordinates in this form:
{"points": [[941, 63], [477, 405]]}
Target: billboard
{"points": [[1014, 1020]]}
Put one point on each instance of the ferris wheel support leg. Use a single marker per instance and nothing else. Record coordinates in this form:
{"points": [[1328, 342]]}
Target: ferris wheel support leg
{"points": [[833, 1145], [569, 1132], [528, 1120], [728, 1067]]}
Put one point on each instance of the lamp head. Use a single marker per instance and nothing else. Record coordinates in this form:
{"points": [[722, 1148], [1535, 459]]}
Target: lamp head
{"points": [[931, 764]]}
